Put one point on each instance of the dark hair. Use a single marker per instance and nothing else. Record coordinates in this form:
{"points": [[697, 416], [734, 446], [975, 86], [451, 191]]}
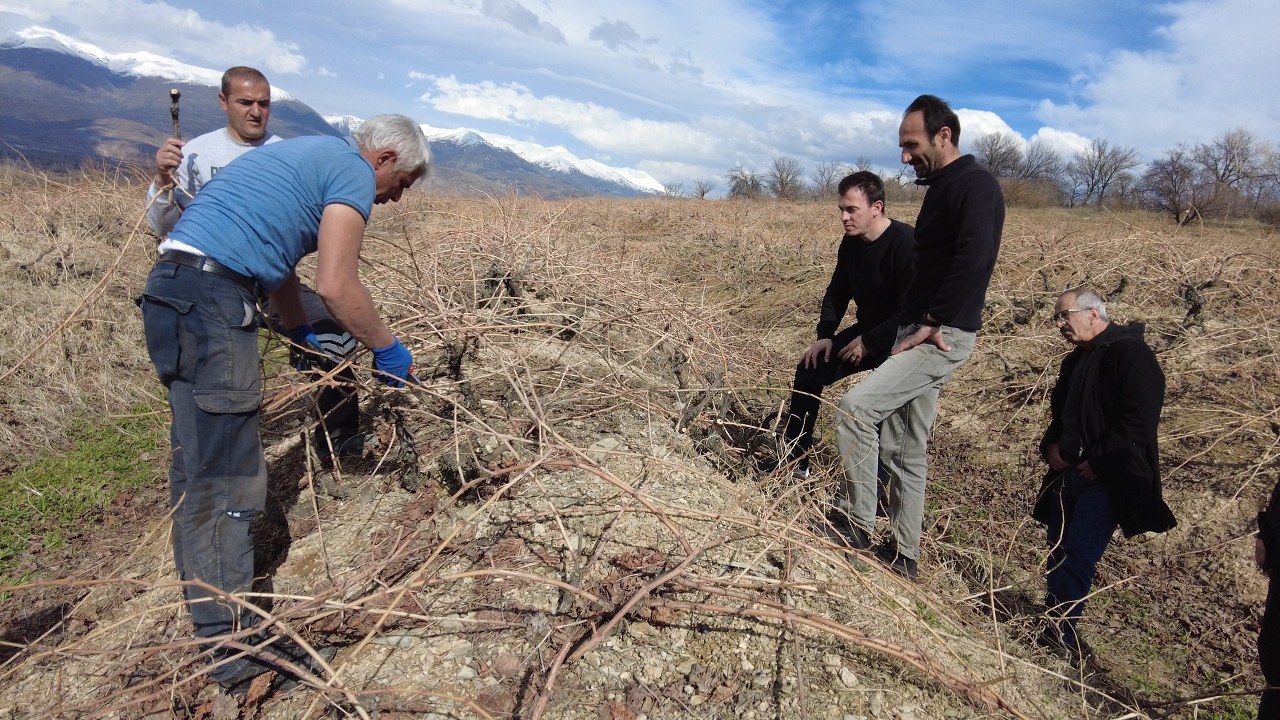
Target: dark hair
{"points": [[241, 72], [937, 115], [867, 182]]}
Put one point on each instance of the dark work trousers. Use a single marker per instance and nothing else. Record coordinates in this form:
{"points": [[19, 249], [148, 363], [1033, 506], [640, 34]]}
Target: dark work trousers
{"points": [[202, 337], [1269, 649], [806, 392], [1080, 527]]}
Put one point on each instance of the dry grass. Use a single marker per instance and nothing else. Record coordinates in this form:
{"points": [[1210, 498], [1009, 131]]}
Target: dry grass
{"points": [[565, 520]]}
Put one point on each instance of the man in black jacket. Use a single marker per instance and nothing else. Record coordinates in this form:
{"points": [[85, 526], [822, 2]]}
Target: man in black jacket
{"points": [[886, 417], [873, 267], [1104, 466], [1267, 554]]}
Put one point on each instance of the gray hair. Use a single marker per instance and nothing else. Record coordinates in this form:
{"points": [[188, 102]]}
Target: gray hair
{"points": [[1087, 299], [402, 134]]}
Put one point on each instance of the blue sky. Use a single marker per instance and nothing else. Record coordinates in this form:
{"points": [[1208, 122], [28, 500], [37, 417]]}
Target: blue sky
{"points": [[688, 89]]}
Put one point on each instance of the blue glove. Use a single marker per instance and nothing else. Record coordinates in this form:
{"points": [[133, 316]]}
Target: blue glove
{"points": [[393, 363], [305, 346]]}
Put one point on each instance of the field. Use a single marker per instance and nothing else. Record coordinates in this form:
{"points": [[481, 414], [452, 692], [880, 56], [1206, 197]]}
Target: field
{"points": [[567, 519]]}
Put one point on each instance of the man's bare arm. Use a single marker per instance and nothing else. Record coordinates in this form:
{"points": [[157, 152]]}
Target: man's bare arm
{"points": [[338, 280]]}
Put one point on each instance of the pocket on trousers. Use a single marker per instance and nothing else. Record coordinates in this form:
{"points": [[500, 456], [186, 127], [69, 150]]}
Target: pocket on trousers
{"points": [[170, 343], [229, 379]]}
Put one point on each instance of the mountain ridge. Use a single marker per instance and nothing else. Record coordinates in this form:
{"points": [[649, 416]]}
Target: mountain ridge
{"points": [[64, 103]]}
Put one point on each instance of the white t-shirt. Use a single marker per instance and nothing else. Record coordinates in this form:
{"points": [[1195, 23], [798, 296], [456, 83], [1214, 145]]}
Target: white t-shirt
{"points": [[202, 158]]}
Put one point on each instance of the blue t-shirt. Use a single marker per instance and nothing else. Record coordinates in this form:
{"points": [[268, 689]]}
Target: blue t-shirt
{"points": [[261, 214]]}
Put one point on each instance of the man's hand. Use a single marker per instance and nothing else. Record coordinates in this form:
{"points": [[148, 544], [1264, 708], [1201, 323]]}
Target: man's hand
{"points": [[305, 349], [393, 363], [168, 158], [1260, 555], [1086, 470], [820, 350], [1054, 454], [854, 352], [922, 335]]}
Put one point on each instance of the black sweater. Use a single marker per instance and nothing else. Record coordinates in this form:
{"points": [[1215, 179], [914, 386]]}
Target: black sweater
{"points": [[957, 239], [874, 275]]}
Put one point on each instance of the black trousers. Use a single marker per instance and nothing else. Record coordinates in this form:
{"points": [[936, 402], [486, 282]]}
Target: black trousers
{"points": [[806, 390], [1269, 650]]}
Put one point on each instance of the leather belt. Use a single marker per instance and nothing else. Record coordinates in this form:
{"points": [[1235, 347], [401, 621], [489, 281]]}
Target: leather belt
{"points": [[209, 265]]}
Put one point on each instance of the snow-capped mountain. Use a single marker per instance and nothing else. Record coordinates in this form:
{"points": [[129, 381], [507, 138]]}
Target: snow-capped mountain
{"points": [[64, 101], [556, 159], [139, 64]]}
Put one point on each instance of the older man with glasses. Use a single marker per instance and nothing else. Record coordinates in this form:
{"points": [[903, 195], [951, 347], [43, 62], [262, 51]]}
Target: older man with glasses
{"points": [[1104, 466]]}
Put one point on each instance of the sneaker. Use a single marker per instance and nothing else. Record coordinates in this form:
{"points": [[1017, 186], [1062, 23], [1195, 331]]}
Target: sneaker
{"points": [[276, 658], [800, 473], [888, 554], [840, 532]]}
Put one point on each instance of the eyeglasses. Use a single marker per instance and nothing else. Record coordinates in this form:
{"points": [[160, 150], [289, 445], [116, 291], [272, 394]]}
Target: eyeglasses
{"points": [[1062, 315]]}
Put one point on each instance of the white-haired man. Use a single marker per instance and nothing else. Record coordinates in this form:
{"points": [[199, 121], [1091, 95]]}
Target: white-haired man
{"points": [[1104, 465], [246, 231]]}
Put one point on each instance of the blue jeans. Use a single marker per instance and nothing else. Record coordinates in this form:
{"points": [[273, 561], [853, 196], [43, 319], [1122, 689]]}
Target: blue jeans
{"points": [[885, 420], [1081, 523], [202, 336]]}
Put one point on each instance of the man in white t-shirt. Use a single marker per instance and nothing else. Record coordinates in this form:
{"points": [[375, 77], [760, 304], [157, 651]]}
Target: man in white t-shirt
{"points": [[182, 168]]}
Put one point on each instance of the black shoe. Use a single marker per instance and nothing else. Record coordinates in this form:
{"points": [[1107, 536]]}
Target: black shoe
{"points": [[888, 554], [840, 532], [276, 658], [347, 448]]}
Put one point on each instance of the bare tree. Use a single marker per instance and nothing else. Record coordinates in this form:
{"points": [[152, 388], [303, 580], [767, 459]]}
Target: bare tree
{"points": [[1095, 168], [1174, 184], [1231, 159], [862, 164], [785, 178], [702, 187], [826, 179], [744, 183], [1231, 163], [1040, 162], [675, 189], [1000, 152]]}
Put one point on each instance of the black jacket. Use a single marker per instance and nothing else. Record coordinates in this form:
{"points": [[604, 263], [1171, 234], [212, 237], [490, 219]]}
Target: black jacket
{"points": [[875, 276], [957, 240], [1119, 414]]}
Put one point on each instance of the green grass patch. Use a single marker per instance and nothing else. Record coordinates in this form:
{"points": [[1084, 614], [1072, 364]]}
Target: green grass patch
{"points": [[58, 494]]}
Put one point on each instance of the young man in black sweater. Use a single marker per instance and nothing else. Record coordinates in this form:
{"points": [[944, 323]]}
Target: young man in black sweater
{"points": [[873, 267]]}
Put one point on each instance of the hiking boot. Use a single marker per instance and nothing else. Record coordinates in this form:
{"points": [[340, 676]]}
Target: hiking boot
{"points": [[888, 554], [840, 532], [801, 473], [276, 659]]}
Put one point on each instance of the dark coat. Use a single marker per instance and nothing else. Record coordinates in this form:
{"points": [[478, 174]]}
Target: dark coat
{"points": [[1120, 411], [1269, 529]]}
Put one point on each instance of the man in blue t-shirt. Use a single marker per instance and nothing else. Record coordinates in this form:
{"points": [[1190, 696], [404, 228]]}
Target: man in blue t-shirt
{"points": [[245, 231], [182, 169]]}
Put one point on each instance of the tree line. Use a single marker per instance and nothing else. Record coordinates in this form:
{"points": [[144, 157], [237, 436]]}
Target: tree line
{"points": [[1233, 175]]}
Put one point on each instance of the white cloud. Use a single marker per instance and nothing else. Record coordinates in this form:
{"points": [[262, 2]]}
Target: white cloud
{"points": [[601, 127], [1212, 74], [326, 72]]}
